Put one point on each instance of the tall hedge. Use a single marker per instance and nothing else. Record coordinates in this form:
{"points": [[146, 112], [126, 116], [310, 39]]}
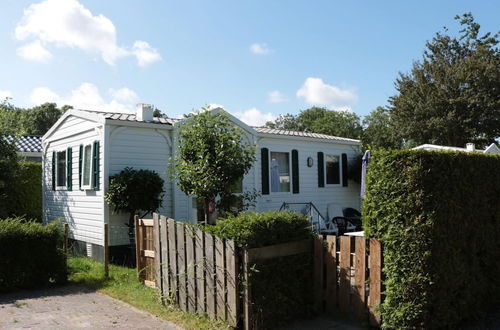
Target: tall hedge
{"points": [[31, 254], [438, 217], [281, 287], [25, 192]]}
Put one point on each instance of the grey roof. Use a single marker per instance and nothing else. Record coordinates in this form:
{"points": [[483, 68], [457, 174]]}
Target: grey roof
{"points": [[27, 143], [132, 117], [274, 131]]}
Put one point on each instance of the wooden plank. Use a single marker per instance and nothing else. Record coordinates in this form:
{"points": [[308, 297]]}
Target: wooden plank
{"points": [[232, 306], [210, 275], [279, 250], [200, 271], [106, 250], [157, 252], [146, 222], [165, 288], [148, 253], [345, 269], [318, 273], [220, 279], [138, 240], [191, 265], [151, 284], [172, 256], [374, 297], [181, 266], [247, 298], [358, 299], [331, 274]]}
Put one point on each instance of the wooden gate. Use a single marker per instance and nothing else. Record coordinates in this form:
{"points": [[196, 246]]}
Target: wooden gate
{"points": [[145, 251]]}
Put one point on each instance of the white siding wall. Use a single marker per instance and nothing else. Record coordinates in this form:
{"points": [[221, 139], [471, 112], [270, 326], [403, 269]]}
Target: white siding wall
{"points": [[82, 209], [140, 148], [308, 176]]}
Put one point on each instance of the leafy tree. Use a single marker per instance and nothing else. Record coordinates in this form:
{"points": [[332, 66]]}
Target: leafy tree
{"points": [[8, 170], [379, 131], [287, 122], [158, 113], [451, 96], [212, 156]]}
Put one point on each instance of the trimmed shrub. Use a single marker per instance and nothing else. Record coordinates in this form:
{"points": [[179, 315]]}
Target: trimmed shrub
{"points": [[281, 287], [25, 192], [438, 217], [30, 254]]}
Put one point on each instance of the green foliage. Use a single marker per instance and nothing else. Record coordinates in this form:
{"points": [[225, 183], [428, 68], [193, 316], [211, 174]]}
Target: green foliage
{"points": [[451, 95], [438, 217], [132, 191], [281, 287], [234, 204], [212, 155], [25, 192], [287, 122], [379, 131], [30, 254], [8, 169]]}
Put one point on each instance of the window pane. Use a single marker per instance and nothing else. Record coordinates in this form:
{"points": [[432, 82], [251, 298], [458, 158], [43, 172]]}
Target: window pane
{"points": [[332, 169], [61, 169], [280, 172], [87, 159]]}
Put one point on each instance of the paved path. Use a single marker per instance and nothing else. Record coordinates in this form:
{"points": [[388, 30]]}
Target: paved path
{"points": [[72, 307]]}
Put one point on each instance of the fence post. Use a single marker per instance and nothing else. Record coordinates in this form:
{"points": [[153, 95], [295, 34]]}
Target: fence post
{"points": [[66, 231], [106, 251], [137, 247], [247, 301]]}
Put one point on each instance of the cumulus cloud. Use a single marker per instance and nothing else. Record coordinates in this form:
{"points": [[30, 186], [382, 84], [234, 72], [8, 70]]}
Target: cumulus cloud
{"points": [[87, 97], [276, 97], [315, 91], [67, 23], [5, 94], [260, 49], [254, 117]]}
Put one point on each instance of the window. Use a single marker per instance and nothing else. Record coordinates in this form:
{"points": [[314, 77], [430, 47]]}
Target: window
{"points": [[87, 167], [280, 172], [332, 169], [61, 169]]}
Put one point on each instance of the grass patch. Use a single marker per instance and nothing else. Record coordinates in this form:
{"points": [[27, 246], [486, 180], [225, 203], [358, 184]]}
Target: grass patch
{"points": [[123, 285]]}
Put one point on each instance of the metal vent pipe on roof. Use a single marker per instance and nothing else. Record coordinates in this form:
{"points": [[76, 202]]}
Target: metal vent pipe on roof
{"points": [[144, 112]]}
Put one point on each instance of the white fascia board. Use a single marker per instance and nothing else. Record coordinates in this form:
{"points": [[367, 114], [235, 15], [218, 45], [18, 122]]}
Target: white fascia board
{"points": [[307, 139], [95, 117], [138, 124]]}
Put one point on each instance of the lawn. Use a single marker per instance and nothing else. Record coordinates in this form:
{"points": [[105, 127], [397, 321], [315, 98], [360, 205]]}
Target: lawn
{"points": [[123, 285]]}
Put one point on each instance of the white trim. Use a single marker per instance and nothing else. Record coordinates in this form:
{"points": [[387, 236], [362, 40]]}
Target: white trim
{"points": [[282, 193], [106, 138], [91, 177], [116, 122], [65, 186], [95, 117], [306, 138]]}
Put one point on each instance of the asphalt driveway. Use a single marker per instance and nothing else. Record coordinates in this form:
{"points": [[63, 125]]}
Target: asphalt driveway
{"points": [[72, 307]]}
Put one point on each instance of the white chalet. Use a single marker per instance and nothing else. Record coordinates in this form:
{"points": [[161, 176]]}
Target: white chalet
{"points": [[84, 148]]}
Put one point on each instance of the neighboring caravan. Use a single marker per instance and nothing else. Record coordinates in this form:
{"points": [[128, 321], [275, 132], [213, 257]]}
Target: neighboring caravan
{"points": [[29, 147], [84, 148]]}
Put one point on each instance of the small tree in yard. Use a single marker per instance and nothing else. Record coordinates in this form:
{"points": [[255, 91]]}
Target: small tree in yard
{"points": [[211, 157], [133, 191]]}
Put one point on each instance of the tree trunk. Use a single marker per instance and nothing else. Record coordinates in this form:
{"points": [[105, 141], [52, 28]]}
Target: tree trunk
{"points": [[209, 212]]}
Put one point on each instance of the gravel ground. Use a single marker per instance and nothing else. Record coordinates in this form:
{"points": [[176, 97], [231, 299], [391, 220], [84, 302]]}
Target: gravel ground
{"points": [[72, 307]]}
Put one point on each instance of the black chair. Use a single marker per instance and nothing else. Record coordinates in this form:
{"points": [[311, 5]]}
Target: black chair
{"points": [[353, 216], [341, 224]]}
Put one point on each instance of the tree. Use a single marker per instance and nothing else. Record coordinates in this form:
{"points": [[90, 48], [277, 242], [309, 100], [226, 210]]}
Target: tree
{"points": [[379, 131], [212, 156], [157, 113], [8, 170], [287, 122], [451, 96]]}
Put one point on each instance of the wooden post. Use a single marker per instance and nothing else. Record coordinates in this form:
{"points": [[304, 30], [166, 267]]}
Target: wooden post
{"points": [[158, 260], [66, 231], [374, 297], [318, 272], [137, 247], [247, 301], [106, 251]]}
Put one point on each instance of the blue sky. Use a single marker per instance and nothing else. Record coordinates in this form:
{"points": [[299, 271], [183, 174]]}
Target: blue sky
{"points": [[258, 59]]}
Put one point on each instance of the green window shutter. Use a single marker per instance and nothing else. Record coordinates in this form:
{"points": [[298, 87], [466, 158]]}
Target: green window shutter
{"points": [[95, 165], [345, 171], [321, 170], [295, 171], [54, 170], [80, 165], [69, 169], [264, 157]]}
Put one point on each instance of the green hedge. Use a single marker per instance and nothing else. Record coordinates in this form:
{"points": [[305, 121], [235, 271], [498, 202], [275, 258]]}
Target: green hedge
{"points": [[281, 287], [25, 192], [30, 254], [438, 217]]}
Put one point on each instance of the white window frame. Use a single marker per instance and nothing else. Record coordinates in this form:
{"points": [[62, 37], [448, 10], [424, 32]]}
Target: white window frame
{"points": [[65, 186], [91, 173], [289, 172], [339, 157]]}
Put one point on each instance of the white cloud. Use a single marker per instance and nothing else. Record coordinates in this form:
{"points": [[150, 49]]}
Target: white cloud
{"points": [[260, 49], [276, 97], [34, 51], [254, 117], [67, 23], [87, 97], [315, 91], [5, 94]]}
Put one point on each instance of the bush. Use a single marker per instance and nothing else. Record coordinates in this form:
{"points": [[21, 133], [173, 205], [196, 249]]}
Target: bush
{"points": [[30, 254], [25, 192], [438, 217], [281, 287]]}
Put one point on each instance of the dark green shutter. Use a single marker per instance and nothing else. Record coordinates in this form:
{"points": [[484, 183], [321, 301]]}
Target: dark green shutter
{"points": [[345, 171], [321, 170], [69, 169], [95, 167], [295, 171], [80, 164], [54, 170], [264, 157]]}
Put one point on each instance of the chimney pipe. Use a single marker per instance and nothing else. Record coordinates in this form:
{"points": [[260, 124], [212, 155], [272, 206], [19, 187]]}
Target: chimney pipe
{"points": [[144, 112], [470, 147]]}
